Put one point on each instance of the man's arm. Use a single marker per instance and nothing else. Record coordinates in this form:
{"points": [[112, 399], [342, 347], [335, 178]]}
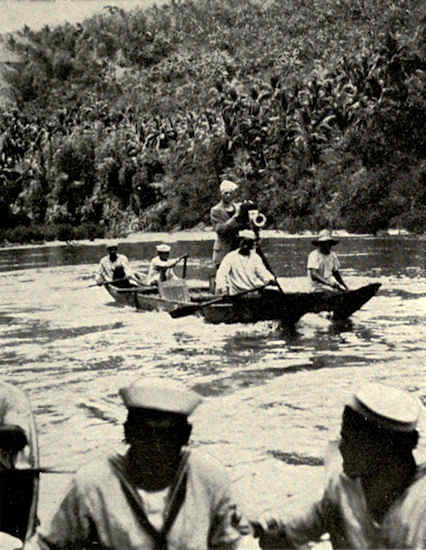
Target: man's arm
{"points": [[315, 276], [223, 227], [339, 279], [70, 527], [101, 273], [294, 531], [222, 276]]}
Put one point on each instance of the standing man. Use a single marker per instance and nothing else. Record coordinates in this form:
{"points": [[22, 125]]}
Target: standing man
{"points": [[242, 269], [115, 267], [374, 495], [323, 265], [224, 218], [159, 495]]}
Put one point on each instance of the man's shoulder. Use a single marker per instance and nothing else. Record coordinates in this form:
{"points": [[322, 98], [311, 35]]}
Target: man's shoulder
{"points": [[96, 472], [207, 468], [216, 207]]}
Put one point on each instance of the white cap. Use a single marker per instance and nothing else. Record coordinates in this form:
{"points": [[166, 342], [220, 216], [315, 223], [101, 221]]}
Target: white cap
{"points": [[161, 395], [247, 234], [228, 186], [388, 407], [111, 244], [163, 248]]}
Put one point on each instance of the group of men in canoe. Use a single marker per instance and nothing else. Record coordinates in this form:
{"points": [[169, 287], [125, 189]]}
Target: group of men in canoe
{"points": [[239, 262], [162, 495]]}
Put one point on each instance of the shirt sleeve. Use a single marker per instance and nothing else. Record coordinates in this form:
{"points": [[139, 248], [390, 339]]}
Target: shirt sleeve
{"points": [[223, 227], [313, 260], [222, 275], [261, 271], [126, 266], [100, 273], [336, 263], [229, 530], [70, 527]]}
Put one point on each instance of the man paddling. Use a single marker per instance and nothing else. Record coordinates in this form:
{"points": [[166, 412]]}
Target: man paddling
{"points": [[161, 266], [374, 495], [323, 264], [115, 267], [159, 495], [242, 269]]}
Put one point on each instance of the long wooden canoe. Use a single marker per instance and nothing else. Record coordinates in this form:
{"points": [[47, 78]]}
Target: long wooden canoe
{"points": [[268, 305], [19, 474], [290, 307]]}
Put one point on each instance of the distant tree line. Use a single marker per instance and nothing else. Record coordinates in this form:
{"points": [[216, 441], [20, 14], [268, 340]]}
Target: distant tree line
{"points": [[129, 120]]}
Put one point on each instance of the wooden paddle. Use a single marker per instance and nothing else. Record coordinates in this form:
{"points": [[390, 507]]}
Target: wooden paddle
{"points": [[108, 282], [269, 268], [190, 309]]}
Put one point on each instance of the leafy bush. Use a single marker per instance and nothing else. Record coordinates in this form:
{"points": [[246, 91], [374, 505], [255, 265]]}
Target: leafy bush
{"points": [[131, 119]]}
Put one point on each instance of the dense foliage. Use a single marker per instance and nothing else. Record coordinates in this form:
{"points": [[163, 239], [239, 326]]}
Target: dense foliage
{"points": [[129, 120]]}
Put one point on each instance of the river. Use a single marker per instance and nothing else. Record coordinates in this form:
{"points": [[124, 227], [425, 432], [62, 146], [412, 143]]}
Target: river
{"points": [[272, 401]]}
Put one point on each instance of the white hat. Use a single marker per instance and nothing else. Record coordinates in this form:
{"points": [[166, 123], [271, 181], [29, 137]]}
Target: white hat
{"points": [[228, 186], [324, 237], [388, 407], [247, 234], [161, 395], [163, 248], [111, 244]]}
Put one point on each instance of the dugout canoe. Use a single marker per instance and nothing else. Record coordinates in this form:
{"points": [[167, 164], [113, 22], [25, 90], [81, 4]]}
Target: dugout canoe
{"points": [[170, 295], [268, 305], [20, 479], [289, 308]]}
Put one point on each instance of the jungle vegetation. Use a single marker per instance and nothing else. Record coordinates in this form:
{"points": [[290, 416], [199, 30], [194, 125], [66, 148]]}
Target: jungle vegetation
{"points": [[129, 121]]}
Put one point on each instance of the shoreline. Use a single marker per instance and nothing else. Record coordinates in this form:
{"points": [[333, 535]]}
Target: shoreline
{"points": [[202, 235]]}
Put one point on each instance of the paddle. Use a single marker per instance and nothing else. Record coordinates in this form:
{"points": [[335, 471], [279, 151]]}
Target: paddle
{"points": [[269, 268], [185, 259], [108, 282], [190, 309]]}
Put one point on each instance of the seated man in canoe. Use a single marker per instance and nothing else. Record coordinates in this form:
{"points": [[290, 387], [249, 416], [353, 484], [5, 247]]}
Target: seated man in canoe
{"points": [[158, 495], [323, 265], [374, 492], [115, 268], [242, 269], [161, 267]]}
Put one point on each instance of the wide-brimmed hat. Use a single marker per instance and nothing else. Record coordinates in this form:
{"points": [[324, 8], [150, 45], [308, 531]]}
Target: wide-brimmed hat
{"points": [[227, 186], [163, 248], [325, 236], [387, 407], [247, 234], [161, 395]]}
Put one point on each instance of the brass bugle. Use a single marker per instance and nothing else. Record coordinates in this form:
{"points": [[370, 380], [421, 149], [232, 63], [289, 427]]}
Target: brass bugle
{"points": [[257, 218]]}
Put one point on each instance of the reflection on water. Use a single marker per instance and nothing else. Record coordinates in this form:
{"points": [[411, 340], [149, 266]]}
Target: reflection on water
{"points": [[272, 400]]}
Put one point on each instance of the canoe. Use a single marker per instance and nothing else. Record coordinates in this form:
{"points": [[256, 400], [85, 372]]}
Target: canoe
{"points": [[290, 307], [269, 305], [171, 295], [19, 473]]}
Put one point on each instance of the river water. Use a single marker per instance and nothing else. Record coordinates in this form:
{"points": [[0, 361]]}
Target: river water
{"points": [[272, 401]]}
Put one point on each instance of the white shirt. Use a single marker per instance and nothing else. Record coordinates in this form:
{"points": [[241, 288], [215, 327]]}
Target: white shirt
{"points": [[325, 264], [106, 268], [155, 268], [237, 273]]}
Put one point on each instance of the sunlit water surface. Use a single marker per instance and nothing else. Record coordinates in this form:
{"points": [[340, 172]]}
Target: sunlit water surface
{"points": [[272, 401]]}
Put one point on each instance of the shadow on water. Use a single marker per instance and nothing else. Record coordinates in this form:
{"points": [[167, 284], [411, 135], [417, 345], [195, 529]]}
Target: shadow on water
{"points": [[38, 332]]}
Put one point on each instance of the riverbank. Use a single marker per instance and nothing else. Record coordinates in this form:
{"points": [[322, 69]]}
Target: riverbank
{"points": [[199, 235]]}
